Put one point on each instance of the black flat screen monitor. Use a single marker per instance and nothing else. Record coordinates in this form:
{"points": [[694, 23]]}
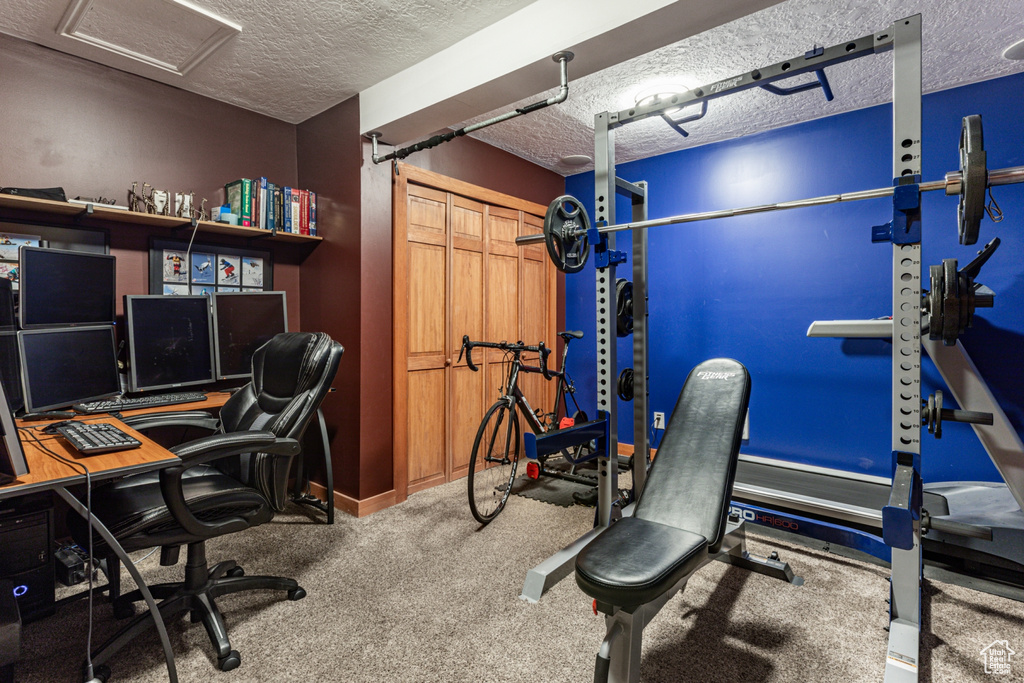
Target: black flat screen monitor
{"points": [[64, 366], [12, 457], [65, 288], [170, 343], [243, 322], [10, 368]]}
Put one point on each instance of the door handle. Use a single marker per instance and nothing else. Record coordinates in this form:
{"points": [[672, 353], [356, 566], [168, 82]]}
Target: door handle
{"points": [[447, 361]]}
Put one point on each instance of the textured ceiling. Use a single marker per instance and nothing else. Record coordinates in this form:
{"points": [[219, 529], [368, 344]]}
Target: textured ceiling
{"points": [[962, 43], [292, 59]]}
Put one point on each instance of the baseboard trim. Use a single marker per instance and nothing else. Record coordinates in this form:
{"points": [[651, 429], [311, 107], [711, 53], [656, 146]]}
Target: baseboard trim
{"points": [[354, 506]]}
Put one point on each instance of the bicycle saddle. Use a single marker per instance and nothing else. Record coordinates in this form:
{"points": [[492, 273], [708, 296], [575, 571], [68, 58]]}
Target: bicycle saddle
{"points": [[570, 334]]}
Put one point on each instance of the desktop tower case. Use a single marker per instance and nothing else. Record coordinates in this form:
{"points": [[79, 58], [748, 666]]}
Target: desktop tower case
{"points": [[26, 555]]}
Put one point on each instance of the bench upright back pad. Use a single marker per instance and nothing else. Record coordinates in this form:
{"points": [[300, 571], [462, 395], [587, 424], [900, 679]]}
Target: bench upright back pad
{"points": [[681, 514]]}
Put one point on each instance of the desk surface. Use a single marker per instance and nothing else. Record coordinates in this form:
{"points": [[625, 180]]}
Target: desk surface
{"points": [[214, 400], [47, 472]]}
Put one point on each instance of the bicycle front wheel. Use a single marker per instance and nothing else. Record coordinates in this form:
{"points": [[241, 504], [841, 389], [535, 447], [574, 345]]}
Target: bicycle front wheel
{"points": [[492, 467]]}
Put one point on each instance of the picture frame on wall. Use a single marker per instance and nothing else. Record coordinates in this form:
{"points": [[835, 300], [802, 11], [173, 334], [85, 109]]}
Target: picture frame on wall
{"points": [[174, 269]]}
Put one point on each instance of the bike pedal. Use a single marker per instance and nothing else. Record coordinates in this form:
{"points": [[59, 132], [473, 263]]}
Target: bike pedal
{"points": [[533, 470]]}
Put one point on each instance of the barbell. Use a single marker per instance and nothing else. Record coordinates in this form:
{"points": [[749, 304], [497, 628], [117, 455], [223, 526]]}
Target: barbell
{"points": [[566, 223]]}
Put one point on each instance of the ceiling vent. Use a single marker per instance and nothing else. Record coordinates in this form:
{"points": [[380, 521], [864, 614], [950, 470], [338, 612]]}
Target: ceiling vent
{"points": [[172, 35]]}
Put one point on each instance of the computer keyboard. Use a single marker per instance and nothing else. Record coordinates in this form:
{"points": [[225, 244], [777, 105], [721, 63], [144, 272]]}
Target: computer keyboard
{"points": [[117, 405], [92, 439]]}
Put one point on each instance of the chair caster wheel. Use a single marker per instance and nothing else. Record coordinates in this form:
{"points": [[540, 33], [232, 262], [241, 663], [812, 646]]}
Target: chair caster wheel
{"points": [[296, 593], [232, 661], [123, 610], [100, 674], [237, 571]]}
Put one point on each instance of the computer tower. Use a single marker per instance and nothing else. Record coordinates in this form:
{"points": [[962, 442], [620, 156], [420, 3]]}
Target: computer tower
{"points": [[26, 557]]}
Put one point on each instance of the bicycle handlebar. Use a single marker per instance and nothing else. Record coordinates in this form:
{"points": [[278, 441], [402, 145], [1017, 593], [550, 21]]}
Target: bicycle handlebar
{"points": [[516, 348]]}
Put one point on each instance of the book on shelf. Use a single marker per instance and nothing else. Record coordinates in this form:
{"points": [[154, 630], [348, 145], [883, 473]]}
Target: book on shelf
{"points": [[261, 212], [303, 212], [270, 207], [265, 205], [239, 195], [279, 208], [287, 208], [312, 212]]}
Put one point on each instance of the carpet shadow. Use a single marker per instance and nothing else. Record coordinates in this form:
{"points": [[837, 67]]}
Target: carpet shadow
{"points": [[708, 651]]}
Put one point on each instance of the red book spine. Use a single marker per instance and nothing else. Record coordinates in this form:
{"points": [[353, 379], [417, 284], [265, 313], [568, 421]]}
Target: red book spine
{"points": [[303, 212]]}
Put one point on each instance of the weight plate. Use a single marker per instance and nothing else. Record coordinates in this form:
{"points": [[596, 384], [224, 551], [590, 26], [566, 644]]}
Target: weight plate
{"points": [[565, 233], [935, 303], [623, 307], [971, 206], [625, 388], [950, 302]]}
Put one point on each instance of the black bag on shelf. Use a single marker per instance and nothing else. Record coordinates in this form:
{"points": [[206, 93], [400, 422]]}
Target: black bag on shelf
{"points": [[54, 193]]}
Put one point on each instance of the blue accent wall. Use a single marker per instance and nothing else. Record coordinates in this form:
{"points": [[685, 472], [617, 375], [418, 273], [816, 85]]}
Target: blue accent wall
{"points": [[748, 287]]}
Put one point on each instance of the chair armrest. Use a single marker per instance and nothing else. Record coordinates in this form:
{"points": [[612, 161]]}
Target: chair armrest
{"points": [[208, 449], [189, 418]]}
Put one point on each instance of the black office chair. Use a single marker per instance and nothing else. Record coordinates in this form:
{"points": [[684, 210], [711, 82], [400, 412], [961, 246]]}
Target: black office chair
{"points": [[260, 427]]}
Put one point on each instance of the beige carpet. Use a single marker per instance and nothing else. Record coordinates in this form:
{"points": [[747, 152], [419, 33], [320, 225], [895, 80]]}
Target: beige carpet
{"points": [[420, 593]]}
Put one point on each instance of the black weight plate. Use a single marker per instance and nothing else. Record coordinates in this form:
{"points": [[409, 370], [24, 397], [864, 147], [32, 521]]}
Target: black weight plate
{"points": [[971, 206], [565, 233], [935, 303], [623, 307], [950, 302], [625, 388]]}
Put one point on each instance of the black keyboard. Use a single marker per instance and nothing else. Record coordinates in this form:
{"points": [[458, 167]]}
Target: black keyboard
{"points": [[92, 439], [117, 405]]}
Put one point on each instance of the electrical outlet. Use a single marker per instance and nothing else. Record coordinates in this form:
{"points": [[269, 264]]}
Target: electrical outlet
{"points": [[659, 420]]}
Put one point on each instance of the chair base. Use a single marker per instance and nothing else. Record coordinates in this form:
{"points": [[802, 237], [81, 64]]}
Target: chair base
{"points": [[196, 596]]}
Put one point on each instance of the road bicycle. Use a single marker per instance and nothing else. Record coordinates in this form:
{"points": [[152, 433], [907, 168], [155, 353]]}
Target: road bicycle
{"points": [[496, 448]]}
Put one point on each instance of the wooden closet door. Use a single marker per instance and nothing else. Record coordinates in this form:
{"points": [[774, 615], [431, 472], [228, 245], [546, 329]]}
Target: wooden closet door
{"points": [[467, 399], [502, 290], [537, 312], [427, 355]]}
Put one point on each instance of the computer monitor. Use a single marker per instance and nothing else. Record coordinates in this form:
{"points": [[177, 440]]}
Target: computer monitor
{"points": [[65, 288], [170, 343], [64, 366], [12, 457], [243, 322], [10, 368]]}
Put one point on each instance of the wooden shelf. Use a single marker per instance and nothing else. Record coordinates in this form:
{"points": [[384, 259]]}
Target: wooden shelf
{"points": [[99, 212]]}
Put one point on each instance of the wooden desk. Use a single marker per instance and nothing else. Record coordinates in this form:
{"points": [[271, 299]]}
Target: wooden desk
{"points": [[46, 472]]}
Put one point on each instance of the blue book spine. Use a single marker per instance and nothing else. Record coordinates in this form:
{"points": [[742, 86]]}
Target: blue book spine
{"points": [[270, 206], [288, 209]]}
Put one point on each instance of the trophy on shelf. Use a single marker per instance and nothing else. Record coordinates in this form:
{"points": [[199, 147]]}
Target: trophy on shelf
{"points": [[183, 203], [200, 213], [136, 202], [159, 202]]}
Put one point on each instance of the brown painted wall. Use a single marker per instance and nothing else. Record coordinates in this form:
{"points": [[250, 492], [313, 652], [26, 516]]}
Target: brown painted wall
{"points": [[328, 158], [93, 130]]}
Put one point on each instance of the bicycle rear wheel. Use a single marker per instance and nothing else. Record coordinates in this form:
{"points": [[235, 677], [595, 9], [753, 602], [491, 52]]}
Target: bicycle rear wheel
{"points": [[492, 467]]}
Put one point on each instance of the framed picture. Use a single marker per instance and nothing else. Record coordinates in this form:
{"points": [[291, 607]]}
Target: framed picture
{"points": [[9, 271], [174, 269], [9, 243], [229, 270]]}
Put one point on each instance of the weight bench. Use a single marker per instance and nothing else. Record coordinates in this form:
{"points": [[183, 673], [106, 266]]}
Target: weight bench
{"points": [[681, 521]]}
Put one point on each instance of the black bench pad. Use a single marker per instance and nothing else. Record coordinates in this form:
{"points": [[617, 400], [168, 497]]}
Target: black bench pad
{"points": [[635, 560]]}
